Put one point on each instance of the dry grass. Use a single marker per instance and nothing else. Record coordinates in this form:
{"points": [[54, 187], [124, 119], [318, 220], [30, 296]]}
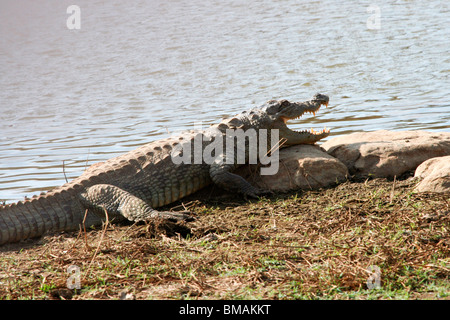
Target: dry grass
{"points": [[306, 245]]}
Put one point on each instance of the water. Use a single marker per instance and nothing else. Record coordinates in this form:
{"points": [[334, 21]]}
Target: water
{"points": [[139, 71]]}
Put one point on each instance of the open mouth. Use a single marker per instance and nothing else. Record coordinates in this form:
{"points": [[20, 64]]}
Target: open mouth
{"points": [[313, 111]]}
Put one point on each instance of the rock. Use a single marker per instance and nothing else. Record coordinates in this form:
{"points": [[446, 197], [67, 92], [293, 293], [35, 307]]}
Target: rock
{"points": [[385, 154], [435, 175], [300, 167]]}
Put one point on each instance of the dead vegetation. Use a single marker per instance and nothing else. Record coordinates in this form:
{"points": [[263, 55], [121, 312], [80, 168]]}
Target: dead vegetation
{"points": [[306, 245]]}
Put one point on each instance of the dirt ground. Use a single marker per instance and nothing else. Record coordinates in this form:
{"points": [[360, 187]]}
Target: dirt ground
{"points": [[373, 239]]}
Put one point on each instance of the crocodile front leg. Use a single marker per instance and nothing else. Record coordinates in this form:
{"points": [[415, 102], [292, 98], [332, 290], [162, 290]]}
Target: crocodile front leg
{"points": [[222, 175], [120, 204]]}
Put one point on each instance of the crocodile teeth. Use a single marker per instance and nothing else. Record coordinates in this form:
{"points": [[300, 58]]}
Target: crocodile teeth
{"points": [[312, 131], [313, 112]]}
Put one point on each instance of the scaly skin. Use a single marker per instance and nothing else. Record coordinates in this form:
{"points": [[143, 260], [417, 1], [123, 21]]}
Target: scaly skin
{"points": [[131, 186]]}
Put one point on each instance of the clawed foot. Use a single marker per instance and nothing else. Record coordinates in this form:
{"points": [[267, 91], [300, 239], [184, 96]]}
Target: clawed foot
{"points": [[176, 216], [258, 193]]}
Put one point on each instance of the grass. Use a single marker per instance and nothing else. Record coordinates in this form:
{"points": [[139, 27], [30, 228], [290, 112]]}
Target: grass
{"points": [[304, 245]]}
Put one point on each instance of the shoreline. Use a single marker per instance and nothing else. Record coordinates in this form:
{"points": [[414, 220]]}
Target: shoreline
{"points": [[316, 244]]}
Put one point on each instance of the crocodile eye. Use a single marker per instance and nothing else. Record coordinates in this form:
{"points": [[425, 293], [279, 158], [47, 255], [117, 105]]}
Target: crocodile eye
{"points": [[284, 103]]}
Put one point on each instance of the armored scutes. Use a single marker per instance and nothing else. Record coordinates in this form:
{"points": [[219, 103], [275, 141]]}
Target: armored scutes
{"points": [[131, 186]]}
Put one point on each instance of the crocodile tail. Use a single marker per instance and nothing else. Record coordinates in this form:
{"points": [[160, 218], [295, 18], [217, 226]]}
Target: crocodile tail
{"points": [[50, 212]]}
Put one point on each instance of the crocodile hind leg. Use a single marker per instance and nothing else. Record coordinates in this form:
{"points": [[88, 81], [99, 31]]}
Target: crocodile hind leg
{"points": [[120, 204]]}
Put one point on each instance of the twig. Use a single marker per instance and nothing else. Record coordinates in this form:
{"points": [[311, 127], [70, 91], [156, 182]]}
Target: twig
{"points": [[391, 197], [291, 181], [84, 228], [305, 175], [278, 145], [64, 171], [100, 242], [87, 159], [81, 230]]}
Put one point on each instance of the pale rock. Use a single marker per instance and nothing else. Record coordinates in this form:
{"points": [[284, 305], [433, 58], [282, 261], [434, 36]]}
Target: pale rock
{"points": [[434, 174], [300, 167], [385, 154]]}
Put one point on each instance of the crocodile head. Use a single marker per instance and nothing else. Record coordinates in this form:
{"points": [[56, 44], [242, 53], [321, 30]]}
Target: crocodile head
{"points": [[274, 114], [280, 111]]}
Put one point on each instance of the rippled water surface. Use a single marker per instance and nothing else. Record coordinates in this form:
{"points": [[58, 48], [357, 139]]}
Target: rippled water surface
{"points": [[136, 71]]}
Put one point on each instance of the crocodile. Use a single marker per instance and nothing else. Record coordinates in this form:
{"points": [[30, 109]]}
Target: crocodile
{"points": [[131, 186]]}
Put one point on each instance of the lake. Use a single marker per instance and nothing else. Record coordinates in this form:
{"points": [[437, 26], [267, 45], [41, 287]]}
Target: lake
{"points": [[86, 84]]}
